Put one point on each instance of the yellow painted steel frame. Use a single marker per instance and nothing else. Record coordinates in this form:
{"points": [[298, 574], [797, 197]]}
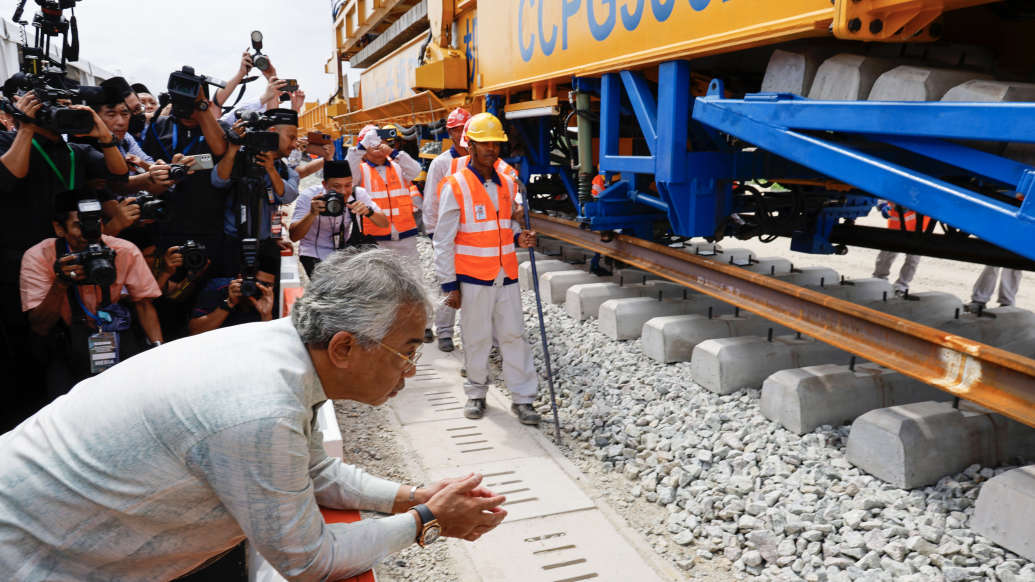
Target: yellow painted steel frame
{"points": [[393, 77], [894, 20]]}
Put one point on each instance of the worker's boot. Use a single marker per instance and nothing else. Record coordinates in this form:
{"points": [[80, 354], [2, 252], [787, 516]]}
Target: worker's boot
{"points": [[429, 336], [525, 413], [445, 344], [475, 408]]}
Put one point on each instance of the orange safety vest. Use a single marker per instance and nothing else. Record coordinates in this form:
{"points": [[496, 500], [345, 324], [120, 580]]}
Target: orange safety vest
{"points": [[485, 241], [893, 220], [501, 166], [392, 198], [598, 185]]}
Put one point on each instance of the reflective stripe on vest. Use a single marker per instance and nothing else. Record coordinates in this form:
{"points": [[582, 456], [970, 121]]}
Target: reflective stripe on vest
{"points": [[910, 219], [484, 242], [501, 167], [393, 198], [598, 185]]}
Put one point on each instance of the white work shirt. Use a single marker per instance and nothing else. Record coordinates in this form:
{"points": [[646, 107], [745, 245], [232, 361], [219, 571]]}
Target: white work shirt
{"points": [[449, 225], [318, 241], [410, 169], [438, 170], [171, 457], [255, 104]]}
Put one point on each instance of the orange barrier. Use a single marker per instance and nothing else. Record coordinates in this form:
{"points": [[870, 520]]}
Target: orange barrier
{"points": [[291, 294], [347, 516]]}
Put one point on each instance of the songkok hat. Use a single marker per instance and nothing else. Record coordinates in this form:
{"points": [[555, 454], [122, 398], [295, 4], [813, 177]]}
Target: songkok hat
{"points": [[115, 88], [336, 169]]}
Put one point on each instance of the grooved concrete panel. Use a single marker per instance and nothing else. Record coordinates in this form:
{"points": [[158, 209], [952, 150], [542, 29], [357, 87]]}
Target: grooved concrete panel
{"points": [[459, 442], [438, 400], [559, 548], [534, 486]]}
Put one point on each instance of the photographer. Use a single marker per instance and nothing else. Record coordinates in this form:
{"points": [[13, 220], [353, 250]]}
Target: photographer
{"points": [[35, 164], [280, 182], [220, 303], [64, 312], [197, 204], [322, 234]]}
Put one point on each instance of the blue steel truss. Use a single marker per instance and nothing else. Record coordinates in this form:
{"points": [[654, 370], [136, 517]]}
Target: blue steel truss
{"points": [[891, 150]]}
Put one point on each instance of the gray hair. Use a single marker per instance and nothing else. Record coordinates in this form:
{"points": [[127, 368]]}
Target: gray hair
{"points": [[360, 292]]}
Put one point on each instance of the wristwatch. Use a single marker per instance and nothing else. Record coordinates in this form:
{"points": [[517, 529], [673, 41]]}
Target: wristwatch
{"points": [[110, 144], [225, 306], [429, 530], [202, 106]]}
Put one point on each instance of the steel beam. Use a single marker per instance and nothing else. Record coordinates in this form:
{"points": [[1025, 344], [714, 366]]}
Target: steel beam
{"points": [[993, 378]]}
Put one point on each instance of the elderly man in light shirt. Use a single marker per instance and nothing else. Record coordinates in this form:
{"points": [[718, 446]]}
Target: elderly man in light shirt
{"points": [[161, 464]]}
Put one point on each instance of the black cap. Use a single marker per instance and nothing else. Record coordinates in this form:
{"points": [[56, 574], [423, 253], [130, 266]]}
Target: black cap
{"points": [[283, 116], [140, 236], [140, 88], [116, 88], [68, 201], [336, 169], [269, 263]]}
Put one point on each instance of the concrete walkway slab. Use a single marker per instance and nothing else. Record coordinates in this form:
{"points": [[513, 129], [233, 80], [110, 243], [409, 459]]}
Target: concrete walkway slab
{"points": [[534, 486], [460, 442], [1003, 511], [559, 548], [804, 399], [917, 444]]}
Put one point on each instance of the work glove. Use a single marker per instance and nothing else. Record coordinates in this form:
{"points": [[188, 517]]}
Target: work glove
{"points": [[370, 141]]}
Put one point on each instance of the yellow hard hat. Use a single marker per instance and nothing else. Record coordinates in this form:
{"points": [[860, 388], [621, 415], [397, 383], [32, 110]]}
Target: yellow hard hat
{"points": [[485, 127]]}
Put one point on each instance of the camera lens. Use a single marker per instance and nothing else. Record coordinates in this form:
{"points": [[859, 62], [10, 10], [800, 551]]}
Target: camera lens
{"points": [[101, 272], [262, 63], [194, 259], [250, 289], [156, 210], [335, 207], [177, 172]]}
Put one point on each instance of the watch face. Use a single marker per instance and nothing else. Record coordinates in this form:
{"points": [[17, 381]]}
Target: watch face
{"points": [[431, 534], [203, 105]]}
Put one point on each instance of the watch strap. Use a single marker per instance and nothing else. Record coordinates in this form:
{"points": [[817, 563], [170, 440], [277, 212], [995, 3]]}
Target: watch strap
{"points": [[425, 514], [225, 306], [110, 144]]}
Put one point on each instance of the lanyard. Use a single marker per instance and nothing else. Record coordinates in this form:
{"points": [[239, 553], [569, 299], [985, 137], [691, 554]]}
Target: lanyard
{"points": [[159, 142], [71, 182], [176, 137]]}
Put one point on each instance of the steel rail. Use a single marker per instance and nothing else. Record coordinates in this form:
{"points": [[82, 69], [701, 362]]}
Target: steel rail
{"points": [[996, 379]]}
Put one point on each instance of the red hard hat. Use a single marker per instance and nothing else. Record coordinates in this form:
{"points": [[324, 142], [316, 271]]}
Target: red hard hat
{"points": [[463, 138], [457, 118]]}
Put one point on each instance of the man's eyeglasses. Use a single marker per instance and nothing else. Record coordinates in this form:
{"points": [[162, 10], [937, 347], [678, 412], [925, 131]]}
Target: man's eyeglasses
{"points": [[412, 360]]}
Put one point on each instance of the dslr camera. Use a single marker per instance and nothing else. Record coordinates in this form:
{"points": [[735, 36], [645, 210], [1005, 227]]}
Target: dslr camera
{"points": [[261, 61], [335, 204], [97, 260], [154, 208], [184, 87], [194, 255], [250, 260]]}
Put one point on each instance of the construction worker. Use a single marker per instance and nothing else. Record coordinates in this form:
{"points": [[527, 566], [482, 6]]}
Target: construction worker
{"points": [[885, 259], [478, 270], [598, 185], [386, 174], [985, 286]]}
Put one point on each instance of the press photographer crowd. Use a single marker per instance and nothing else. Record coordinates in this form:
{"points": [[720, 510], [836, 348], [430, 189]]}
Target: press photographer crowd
{"points": [[135, 218]]}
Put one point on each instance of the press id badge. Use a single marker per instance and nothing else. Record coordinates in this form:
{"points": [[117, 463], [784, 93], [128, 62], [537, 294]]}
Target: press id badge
{"points": [[104, 351], [269, 194], [479, 212]]}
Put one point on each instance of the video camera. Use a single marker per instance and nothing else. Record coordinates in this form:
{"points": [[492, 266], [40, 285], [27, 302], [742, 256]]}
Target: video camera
{"points": [[98, 260], [256, 139], [184, 87], [44, 76]]}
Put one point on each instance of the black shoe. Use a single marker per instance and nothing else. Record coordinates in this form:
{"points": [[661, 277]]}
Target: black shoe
{"points": [[475, 408], [428, 336], [445, 344], [525, 413]]}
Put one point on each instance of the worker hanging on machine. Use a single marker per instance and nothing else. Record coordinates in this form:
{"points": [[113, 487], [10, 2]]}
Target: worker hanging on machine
{"points": [[478, 270], [387, 174], [885, 259]]}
